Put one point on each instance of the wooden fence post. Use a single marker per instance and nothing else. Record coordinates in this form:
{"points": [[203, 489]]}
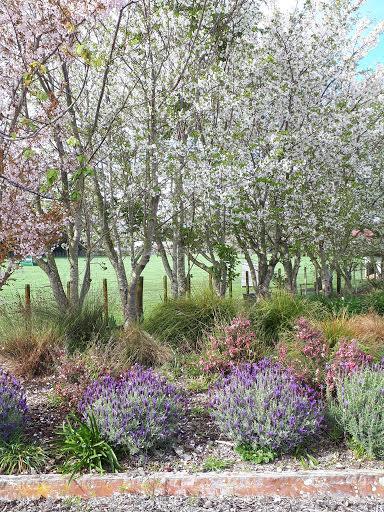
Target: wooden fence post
{"points": [[305, 281], [189, 286], [338, 282], [165, 288], [230, 288], [105, 298], [247, 282], [139, 298], [316, 281], [69, 290], [28, 309]]}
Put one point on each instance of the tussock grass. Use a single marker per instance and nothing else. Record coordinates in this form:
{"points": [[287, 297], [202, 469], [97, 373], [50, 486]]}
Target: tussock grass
{"points": [[182, 322]]}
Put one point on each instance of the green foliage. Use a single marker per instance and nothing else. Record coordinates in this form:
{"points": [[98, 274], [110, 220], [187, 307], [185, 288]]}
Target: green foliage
{"points": [[229, 261], [201, 383], [83, 448], [276, 314], [182, 322], [215, 464], [199, 410], [376, 301], [358, 409], [354, 304], [306, 459], [17, 456], [255, 455]]}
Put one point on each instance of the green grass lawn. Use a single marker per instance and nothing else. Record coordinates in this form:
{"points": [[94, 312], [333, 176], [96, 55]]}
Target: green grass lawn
{"points": [[101, 268]]}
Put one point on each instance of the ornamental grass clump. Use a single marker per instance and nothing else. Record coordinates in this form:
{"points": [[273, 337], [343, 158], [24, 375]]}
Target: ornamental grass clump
{"points": [[13, 405], [136, 412], [357, 407], [264, 406]]}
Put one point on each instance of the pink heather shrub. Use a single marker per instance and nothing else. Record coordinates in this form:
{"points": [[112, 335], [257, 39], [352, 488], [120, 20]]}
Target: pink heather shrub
{"points": [[315, 344], [307, 354], [233, 346], [347, 360]]}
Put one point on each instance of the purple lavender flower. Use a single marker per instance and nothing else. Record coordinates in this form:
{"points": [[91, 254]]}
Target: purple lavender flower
{"points": [[13, 405], [265, 406], [135, 412]]}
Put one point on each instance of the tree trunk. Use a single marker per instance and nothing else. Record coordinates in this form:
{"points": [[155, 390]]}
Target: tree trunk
{"points": [[266, 272], [50, 268], [291, 270]]}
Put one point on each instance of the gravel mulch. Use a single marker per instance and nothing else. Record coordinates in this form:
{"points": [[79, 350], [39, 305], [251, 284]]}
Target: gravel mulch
{"points": [[178, 504], [198, 441]]}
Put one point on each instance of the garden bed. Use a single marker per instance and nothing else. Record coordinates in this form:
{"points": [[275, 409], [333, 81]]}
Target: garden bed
{"points": [[199, 447]]}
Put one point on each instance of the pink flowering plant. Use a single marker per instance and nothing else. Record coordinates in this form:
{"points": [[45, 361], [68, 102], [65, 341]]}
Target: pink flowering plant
{"points": [[307, 353], [348, 359], [234, 344], [309, 356]]}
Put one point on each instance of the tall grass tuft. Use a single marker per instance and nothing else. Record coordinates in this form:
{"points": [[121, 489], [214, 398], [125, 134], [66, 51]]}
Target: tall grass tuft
{"points": [[336, 328], [182, 322], [79, 327], [271, 316], [31, 345], [130, 346]]}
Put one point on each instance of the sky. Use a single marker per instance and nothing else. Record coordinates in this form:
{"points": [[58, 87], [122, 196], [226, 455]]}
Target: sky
{"points": [[372, 9]]}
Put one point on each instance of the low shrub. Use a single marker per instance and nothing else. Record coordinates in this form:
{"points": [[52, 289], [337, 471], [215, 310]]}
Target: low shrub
{"points": [[350, 304], [136, 412], [255, 455], [18, 456], [348, 358], [229, 345], [74, 374], [215, 464], [276, 314], [371, 301], [375, 302], [264, 406], [358, 409], [305, 352], [182, 322], [13, 406], [84, 448]]}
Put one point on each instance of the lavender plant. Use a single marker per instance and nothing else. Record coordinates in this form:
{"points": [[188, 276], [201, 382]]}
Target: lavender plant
{"points": [[264, 406], [13, 405], [358, 409], [135, 412]]}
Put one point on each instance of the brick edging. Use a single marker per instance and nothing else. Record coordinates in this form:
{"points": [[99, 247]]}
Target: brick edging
{"points": [[360, 483]]}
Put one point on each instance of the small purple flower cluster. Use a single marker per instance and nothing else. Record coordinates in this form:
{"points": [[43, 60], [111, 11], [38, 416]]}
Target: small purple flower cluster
{"points": [[137, 411], [265, 406], [13, 405]]}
